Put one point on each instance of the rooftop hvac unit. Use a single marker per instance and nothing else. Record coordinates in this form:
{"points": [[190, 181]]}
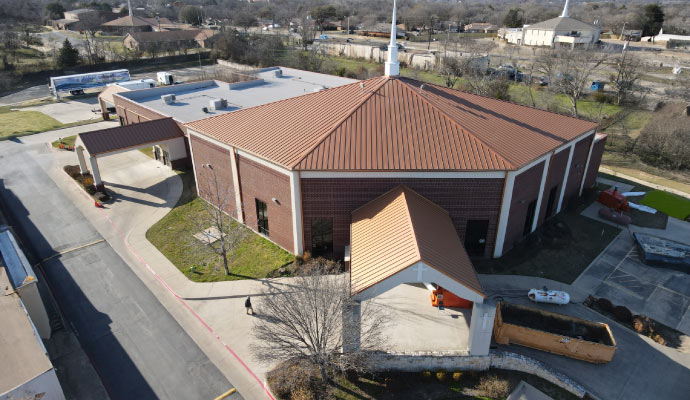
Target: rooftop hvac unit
{"points": [[318, 89], [204, 109], [223, 103], [215, 104], [279, 73], [168, 98]]}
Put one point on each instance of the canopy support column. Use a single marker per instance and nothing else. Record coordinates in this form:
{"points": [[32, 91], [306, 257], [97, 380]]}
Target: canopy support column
{"points": [[96, 174], [82, 161], [481, 326]]}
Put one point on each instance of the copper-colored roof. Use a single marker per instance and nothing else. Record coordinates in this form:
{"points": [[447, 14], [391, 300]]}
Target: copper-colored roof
{"points": [[129, 136], [392, 124], [399, 229]]}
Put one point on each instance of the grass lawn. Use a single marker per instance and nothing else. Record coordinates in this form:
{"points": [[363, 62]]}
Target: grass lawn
{"points": [[69, 141], [147, 150], [26, 122], [422, 386], [668, 203], [560, 249], [255, 257]]}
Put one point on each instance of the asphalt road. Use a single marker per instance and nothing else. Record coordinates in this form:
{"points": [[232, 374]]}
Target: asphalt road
{"points": [[136, 346]]}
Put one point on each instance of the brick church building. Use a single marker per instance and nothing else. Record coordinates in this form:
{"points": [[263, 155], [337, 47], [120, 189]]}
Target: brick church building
{"points": [[296, 169]]}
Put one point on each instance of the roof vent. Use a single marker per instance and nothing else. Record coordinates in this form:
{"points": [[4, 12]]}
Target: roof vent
{"points": [[168, 98], [205, 110], [279, 73], [320, 88]]}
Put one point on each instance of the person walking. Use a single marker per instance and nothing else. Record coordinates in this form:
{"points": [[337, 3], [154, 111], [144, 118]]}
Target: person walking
{"points": [[248, 306]]}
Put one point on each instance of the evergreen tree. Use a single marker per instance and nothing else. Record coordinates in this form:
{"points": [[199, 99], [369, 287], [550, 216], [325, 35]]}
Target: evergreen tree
{"points": [[69, 56], [652, 19], [514, 18]]}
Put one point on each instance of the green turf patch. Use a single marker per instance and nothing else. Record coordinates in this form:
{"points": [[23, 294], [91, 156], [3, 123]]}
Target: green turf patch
{"points": [[668, 203], [67, 141]]}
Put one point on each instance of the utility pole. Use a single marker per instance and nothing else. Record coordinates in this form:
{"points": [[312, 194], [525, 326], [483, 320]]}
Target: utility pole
{"points": [[348, 26]]}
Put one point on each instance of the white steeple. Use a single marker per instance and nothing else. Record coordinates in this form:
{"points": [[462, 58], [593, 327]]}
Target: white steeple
{"points": [[129, 6], [392, 66], [565, 9]]}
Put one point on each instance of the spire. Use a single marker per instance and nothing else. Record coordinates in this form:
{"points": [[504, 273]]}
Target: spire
{"points": [[129, 6], [565, 9], [392, 66]]}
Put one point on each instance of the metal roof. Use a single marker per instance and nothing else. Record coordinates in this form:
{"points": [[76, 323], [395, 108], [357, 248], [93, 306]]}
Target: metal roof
{"points": [[394, 124], [107, 94], [564, 24], [399, 229], [129, 21], [130, 136]]}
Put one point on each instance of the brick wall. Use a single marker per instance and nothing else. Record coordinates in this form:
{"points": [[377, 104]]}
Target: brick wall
{"points": [[525, 190], [336, 198], [134, 113], [577, 170], [208, 153], [594, 162], [557, 166], [263, 183]]}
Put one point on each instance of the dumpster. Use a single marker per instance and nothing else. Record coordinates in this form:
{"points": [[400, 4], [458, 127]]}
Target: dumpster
{"points": [[556, 333], [597, 86], [448, 299]]}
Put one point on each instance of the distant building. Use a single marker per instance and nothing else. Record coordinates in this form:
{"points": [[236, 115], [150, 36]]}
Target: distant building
{"points": [[188, 38], [561, 30], [481, 28], [25, 370], [76, 20], [127, 24]]}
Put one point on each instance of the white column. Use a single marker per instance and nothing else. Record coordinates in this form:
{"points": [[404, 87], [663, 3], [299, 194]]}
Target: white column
{"points": [[544, 175], [95, 173], [505, 212], [236, 183], [82, 161], [296, 200], [481, 328], [584, 173], [191, 153], [565, 177]]}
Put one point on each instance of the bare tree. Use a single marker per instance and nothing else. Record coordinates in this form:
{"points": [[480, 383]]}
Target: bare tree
{"points": [[452, 71], [223, 236], [311, 322], [571, 70], [626, 76]]}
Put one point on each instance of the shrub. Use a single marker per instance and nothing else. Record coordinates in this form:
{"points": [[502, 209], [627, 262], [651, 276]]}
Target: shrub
{"points": [[604, 304], [602, 98], [294, 379], [494, 387], [643, 325], [589, 301], [101, 196], [426, 375], [441, 375], [457, 375], [622, 314]]}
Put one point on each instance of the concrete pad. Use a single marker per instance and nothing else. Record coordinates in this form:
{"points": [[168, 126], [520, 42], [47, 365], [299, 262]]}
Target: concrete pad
{"points": [[666, 306], [630, 283], [69, 111], [418, 326], [620, 297], [622, 187], [679, 282]]}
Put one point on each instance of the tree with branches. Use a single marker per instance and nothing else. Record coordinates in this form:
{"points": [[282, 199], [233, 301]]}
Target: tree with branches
{"points": [[569, 71], [625, 77], [313, 322], [452, 70], [223, 235]]}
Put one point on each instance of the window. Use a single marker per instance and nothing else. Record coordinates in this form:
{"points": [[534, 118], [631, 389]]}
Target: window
{"points": [[529, 219], [475, 236], [261, 217]]}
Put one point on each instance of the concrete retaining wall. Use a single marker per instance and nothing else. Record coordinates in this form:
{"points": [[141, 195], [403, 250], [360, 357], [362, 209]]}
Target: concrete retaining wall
{"points": [[462, 361]]}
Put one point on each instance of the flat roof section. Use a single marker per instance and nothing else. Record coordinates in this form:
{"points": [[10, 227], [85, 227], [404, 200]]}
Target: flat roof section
{"points": [[22, 352], [272, 84]]}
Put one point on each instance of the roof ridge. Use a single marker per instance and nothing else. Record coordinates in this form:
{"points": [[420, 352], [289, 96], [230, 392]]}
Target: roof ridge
{"points": [[453, 121], [265, 104], [341, 120], [158, 120]]}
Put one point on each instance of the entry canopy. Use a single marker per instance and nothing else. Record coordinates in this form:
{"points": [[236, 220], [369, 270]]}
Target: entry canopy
{"points": [[403, 237], [130, 136]]}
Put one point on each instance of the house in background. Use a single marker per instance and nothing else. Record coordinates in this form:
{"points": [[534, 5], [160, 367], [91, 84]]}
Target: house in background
{"points": [[180, 39], [77, 20], [481, 27]]}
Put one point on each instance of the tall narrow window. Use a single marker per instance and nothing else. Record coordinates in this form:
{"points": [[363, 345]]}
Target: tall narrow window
{"points": [[529, 218], [322, 237], [261, 217]]}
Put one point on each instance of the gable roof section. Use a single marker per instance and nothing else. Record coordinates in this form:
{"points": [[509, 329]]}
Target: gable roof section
{"points": [[393, 125], [107, 93], [128, 21], [129, 136], [399, 229], [564, 24]]}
